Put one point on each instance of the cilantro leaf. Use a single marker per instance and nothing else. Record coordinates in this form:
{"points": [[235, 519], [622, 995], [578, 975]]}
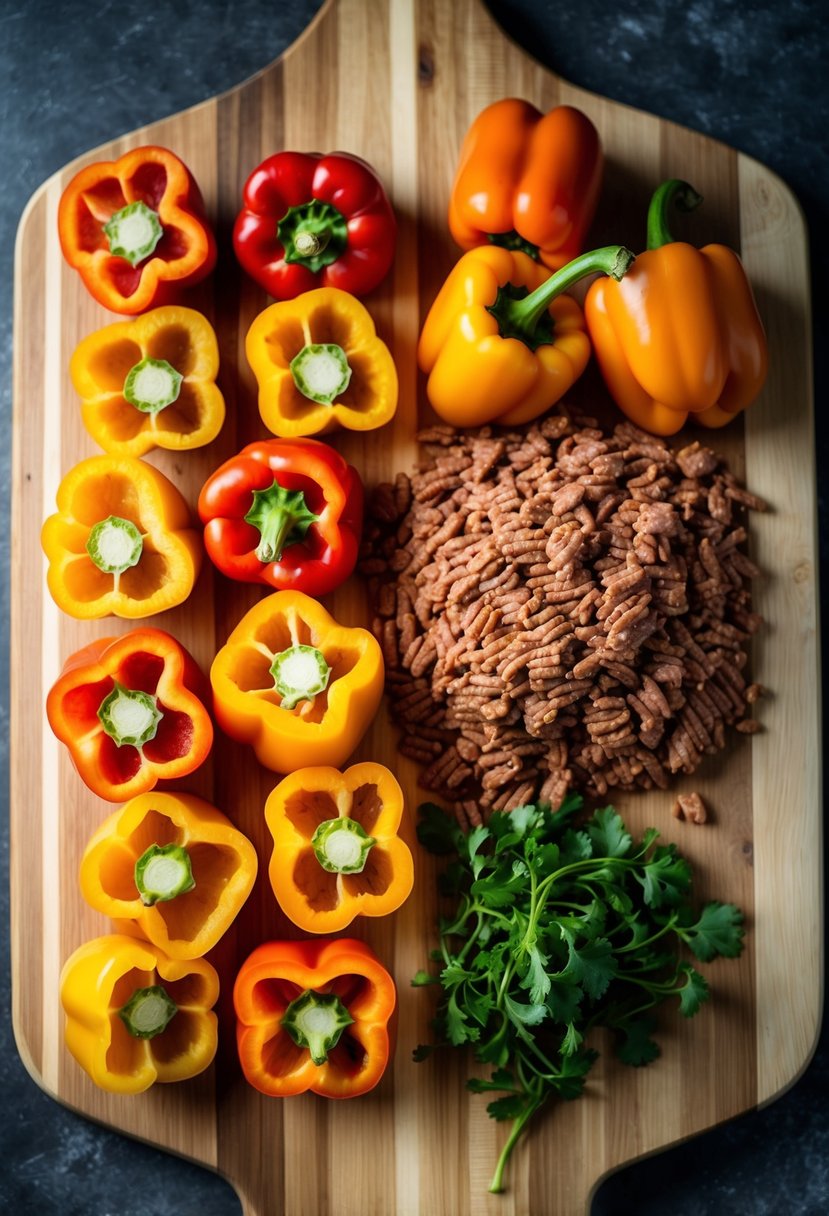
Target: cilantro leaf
{"points": [[694, 991], [575, 846], [522, 1014], [509, 1107], [608, 833], [593, 966], [563, 1001], [437, 831], [458, 1029], [422, 1052], [719, 930], [636, 1046], [665, 878], [536, 978], [571, 1041]]}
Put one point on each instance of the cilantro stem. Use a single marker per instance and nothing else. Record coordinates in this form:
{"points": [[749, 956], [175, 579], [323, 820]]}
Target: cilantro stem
{"points": [[666, 928], [496, 1186]]}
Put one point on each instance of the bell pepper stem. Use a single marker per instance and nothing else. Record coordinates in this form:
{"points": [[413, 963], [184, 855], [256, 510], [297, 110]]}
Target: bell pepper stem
{"points": [[342, 846], [316, 1020], [152, 385], [300, 673], [162, 872], [115, 545], [313, 234], [148, 1012], [522, 318], [133, 232], [130, 717], [321, 372], [282, 518], [683, 196]]}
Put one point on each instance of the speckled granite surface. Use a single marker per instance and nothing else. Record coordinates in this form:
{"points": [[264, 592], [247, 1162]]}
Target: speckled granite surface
{"points": [[73, 75]]}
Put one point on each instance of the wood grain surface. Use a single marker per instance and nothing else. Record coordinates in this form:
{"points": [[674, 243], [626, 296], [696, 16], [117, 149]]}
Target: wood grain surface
{"points": [[397, 82]]}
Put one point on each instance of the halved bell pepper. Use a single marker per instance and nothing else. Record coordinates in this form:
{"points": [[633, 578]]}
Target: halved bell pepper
{"points": [[287, 513], [680, 335], [301, 689], [130, 710], [501, 343], [527, 181], [135, 1016], [121, 542], [336, 849], [150, 382], [135, 230], [313, 1016], [320, 365], [171, 868], [315, 221]]}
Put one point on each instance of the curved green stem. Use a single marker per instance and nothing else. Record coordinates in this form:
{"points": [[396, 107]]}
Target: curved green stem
{"points": [[496, 1186], [682, 195], [524, 316], [281, 517]]}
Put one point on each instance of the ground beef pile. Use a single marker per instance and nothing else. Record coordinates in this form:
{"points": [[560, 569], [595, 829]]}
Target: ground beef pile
{"points": [[560, 608]]}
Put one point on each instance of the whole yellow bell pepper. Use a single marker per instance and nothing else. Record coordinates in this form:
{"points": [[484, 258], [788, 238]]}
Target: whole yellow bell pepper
{"points": [[320, 365], [502, 343], [150, 382], [336, 849], [135, 1016], [172, 868], [298, 687], [121, 542]]}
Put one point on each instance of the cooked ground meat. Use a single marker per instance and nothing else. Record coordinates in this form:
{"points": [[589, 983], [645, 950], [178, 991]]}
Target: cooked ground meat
{"points": [[560, 608]]}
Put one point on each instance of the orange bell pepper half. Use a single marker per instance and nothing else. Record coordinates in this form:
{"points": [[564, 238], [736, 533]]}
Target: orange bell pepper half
{"points": [[502, 343], [150, 383], [135, 230], [680, 335], [313, 1016], [320, 365], [301, 689], [120, 543], [135, 1016], [170, 868], [336, 849], [527, 181], [130, 710]]}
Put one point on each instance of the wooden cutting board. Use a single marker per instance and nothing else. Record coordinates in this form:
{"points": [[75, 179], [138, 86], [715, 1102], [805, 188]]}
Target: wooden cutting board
{"points": [[398, 81]]}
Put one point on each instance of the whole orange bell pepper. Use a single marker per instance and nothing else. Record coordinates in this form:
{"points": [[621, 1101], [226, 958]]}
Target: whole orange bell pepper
{"points": [[336, 850], [502, 343], [150, 383], [301, 689], [135, 1016], [313, 1016], [121, 542], [130, 711], [680, 335], [171, 868], [320, 365], [135, 229], [527, 181]]}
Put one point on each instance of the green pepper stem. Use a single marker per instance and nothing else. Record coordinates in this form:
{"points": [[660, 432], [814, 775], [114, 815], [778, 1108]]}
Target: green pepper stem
{"points": [[682, 195], [316, 1020], [129, 716], [133, 232], [114, 545], [321, 372], [342, 846], [152, 385], [282, 518], [313, 234], [300, 673], [162, 872], [148, 1012], [519, 318]]}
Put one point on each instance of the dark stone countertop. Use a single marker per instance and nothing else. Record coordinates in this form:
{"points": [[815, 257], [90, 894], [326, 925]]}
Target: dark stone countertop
{"points": [[74, 75]]}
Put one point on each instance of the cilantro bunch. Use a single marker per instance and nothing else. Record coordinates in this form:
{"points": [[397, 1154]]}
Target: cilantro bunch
{"points": [[555, 929]]}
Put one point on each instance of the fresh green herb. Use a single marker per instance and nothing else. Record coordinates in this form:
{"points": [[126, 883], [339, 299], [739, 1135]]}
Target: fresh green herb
{"points": [[555, 929]]}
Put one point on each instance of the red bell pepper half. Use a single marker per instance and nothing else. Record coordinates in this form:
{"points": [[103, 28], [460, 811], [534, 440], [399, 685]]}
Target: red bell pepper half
{"points": [[315, 221], [284, 512]]}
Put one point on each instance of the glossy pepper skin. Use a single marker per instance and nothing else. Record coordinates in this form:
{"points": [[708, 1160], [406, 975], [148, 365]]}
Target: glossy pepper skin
{"points": [[324, 729], [680, 336], [158, 667], [325, 896], [279, 972], [185, 253], [105, 362], [527, 181], [494, 353], [281, 334], [100, 978], [287, 513], [221, 861], [312, 221], [121, 487]]}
